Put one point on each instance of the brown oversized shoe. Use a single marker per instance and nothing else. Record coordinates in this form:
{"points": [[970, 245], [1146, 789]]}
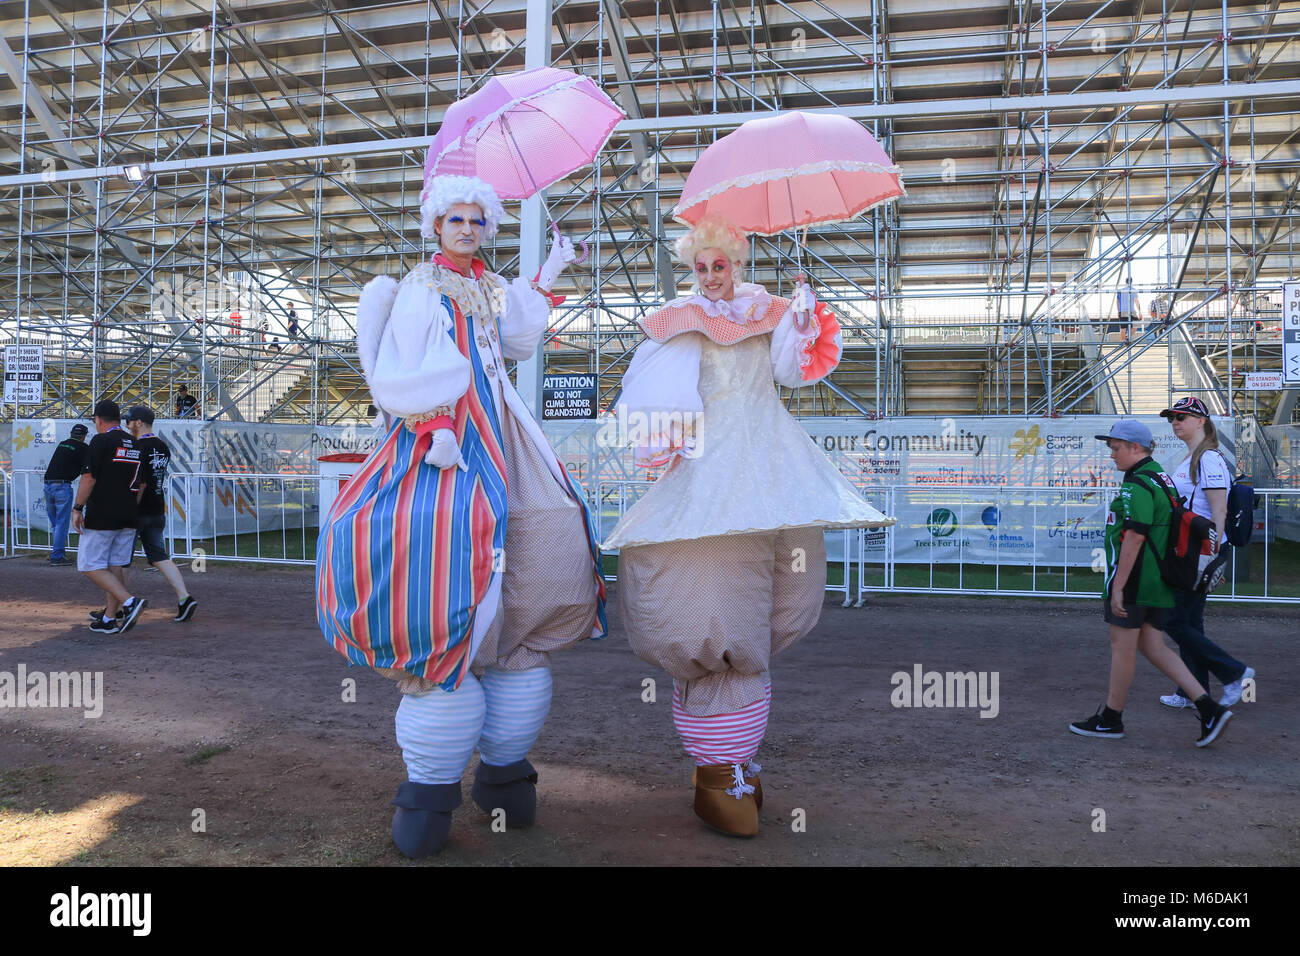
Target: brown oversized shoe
{"points": [[724, 800]]}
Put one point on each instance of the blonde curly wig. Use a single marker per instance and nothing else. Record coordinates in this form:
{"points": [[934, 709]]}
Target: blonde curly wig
{"points": [[713, 232], [443, 192]]}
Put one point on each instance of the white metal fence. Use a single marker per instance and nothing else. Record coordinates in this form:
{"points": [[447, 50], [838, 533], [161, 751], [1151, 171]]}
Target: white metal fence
{"points": [[967, 539]]}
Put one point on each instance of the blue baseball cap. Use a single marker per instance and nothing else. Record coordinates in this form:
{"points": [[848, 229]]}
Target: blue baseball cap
{"points": [[1129, 429]]}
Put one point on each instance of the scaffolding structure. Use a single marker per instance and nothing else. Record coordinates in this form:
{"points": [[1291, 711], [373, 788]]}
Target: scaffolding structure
{"points": [[195, 191]]}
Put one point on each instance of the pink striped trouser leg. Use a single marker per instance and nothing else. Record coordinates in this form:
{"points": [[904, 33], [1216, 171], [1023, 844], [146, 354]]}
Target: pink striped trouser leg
{"points": [[723, 738]]}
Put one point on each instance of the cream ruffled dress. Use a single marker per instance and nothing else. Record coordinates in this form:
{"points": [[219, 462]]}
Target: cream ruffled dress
{"points": [[746, 465]]}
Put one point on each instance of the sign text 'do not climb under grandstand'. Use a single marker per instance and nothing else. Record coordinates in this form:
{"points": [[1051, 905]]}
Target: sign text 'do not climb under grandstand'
{"points": [[568, 397]]}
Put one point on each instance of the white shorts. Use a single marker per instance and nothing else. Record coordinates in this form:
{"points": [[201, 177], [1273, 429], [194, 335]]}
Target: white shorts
{"points": [[98, 550]]}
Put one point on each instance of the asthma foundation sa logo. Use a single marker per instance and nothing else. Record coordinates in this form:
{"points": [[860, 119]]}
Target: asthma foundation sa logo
{"points": [[941, 523]]}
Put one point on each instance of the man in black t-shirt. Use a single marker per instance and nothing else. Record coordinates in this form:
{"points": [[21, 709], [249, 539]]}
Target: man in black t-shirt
{"points": [[155, 459], [65, 467], [185, 403], [109, 497]]}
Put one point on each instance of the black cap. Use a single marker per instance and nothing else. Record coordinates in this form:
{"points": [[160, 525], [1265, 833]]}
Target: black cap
{"points": [[108, 411], [79, 430], [140, 413], [183, 388], [1190, 406]]}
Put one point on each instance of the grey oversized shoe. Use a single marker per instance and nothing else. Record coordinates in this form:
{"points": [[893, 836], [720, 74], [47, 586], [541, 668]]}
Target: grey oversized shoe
{"points": [[422, 820], [512, 788]]}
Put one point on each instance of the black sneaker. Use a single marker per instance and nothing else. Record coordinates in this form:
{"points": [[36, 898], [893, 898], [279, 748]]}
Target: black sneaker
{"points": [[1094, 727], [185, 610], [99, 615], [105, 627], [1210, 729], [130, 611]]}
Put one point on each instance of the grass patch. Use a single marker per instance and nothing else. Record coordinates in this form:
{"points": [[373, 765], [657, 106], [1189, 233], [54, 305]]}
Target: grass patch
{"points": [[206, 754]]}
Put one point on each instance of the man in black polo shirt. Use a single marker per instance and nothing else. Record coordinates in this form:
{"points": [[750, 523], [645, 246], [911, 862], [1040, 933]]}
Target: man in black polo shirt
{"points": [[156, 458], [109, 496], [64, 468]]}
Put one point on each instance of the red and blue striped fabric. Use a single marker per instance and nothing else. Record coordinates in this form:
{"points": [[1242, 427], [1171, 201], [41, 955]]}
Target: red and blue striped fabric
{"points": [[406, 554]]}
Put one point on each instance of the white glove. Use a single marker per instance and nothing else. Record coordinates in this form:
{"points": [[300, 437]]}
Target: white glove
{"points": [[804, 300], [443, 451], [561, 255], [802, 304]]}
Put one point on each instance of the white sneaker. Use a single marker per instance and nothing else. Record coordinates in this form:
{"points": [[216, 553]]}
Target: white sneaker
{"points": [[1177, 701], [1232, 692]]}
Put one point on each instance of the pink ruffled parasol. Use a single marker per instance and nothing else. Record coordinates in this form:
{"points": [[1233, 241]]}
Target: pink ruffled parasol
{"points": [[522, 132], [791, 170]]}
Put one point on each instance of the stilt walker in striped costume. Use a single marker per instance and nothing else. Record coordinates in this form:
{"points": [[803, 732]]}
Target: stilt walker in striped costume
{"points": [[723, 561], [461, 554]]}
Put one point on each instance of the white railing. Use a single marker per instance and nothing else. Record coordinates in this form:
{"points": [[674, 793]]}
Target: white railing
{"points": [[260, 518], [1016, 541]]}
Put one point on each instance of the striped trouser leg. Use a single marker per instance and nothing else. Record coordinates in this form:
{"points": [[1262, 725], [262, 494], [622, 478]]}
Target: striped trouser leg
{"points": [[723, 738], [517, 705], [437, 731]]}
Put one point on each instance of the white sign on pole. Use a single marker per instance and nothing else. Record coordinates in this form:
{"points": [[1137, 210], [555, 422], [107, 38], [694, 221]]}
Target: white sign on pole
{"points": [[1291, 333], [24, 374], [1263, 381]]}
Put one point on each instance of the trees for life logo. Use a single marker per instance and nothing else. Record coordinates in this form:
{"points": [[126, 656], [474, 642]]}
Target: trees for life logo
{"points": [[941, 523]]}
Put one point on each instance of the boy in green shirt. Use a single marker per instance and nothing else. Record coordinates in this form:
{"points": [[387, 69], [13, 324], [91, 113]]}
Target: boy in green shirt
{"points": [[1136, 596]]}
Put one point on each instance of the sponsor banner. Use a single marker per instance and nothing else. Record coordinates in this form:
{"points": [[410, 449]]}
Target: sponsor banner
{"points": [[1009, 527], [1040, 452], [207, 507], [1056, 454]]}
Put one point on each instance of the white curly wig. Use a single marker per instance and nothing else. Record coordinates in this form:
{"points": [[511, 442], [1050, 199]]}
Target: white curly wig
{"points": [[443, 192], [713, 232]]}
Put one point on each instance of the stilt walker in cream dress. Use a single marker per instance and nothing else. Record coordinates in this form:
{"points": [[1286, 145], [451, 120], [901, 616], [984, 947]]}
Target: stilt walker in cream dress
{"points": [[722, 563], [460, 555]]}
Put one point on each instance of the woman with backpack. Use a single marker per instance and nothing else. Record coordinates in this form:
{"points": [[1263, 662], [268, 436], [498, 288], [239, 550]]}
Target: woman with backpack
{"points": [[1202, 480]]}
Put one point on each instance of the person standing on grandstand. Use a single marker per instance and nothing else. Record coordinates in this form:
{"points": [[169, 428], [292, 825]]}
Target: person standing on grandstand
{"points": [[1136, 598], [1202, 480], [1130, 313], [155, 458], [64, 468], [109, 497], [186, 404]]}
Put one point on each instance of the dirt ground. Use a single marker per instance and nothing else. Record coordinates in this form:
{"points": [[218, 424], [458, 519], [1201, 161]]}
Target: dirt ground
{"points": [[240, 714]]}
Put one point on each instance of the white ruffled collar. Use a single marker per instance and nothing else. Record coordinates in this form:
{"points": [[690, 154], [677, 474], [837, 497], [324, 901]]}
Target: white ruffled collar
{"points": [[750, 302]]}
